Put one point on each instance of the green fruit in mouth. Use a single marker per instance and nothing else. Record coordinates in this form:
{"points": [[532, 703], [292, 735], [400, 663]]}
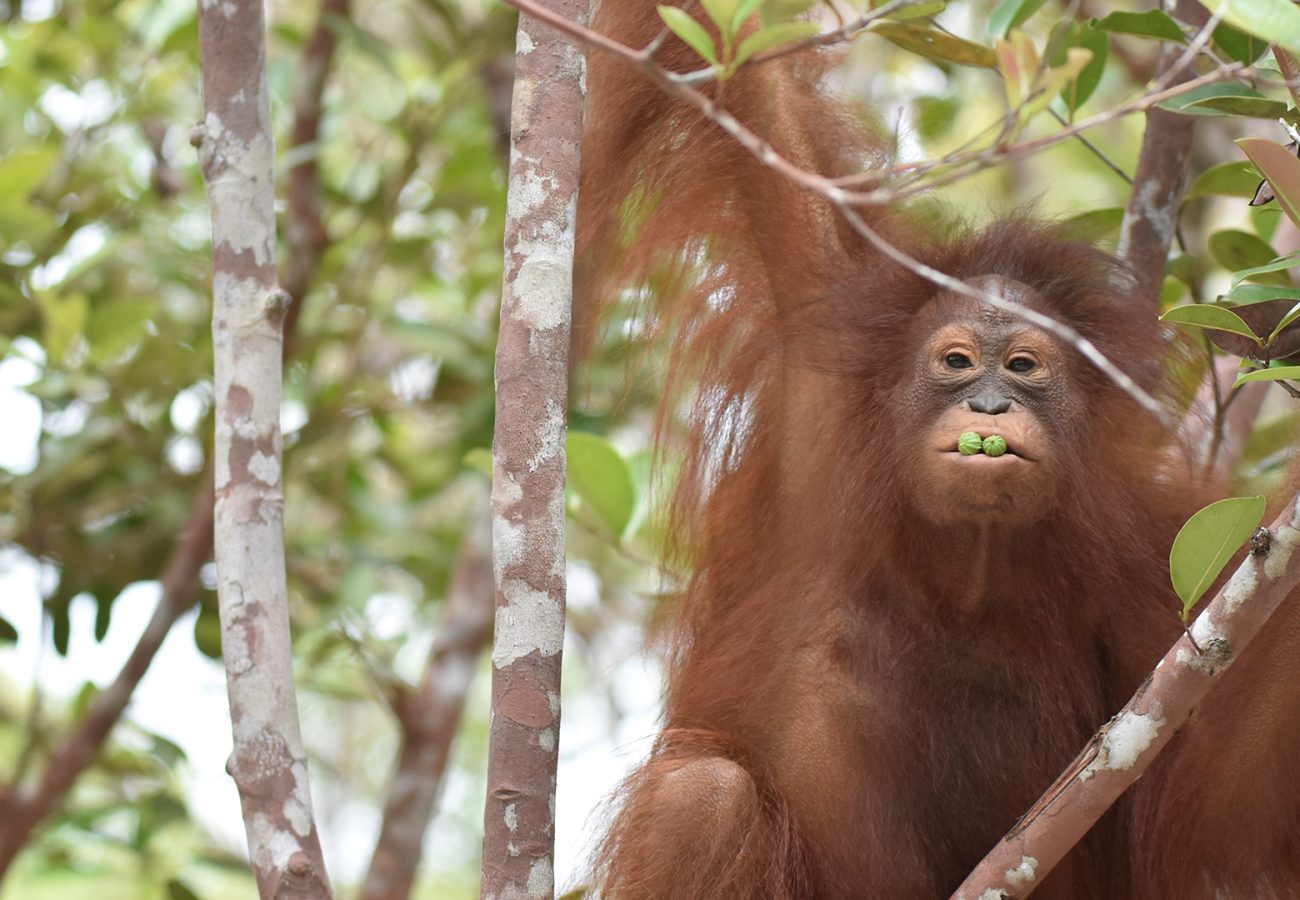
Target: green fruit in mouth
{"points": [[970, 444], [994, 445]]}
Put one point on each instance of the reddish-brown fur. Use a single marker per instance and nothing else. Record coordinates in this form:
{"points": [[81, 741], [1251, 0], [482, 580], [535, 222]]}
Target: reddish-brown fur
{"points": [[851, 712]]}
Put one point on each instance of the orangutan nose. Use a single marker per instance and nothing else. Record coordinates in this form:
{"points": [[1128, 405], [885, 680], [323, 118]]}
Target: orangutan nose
{"points": [[989, 403]]}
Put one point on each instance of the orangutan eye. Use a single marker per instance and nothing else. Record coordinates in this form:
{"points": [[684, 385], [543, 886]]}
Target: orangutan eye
{"points": [[1022, 364], [957, 361]]}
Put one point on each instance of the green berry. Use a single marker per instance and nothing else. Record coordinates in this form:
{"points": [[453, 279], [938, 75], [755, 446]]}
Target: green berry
{"points": [[970, 444], [995, 445]]}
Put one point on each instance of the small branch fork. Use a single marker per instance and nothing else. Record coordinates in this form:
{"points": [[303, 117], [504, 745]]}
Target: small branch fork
{"points": [[1122, 750], [836, 192]]}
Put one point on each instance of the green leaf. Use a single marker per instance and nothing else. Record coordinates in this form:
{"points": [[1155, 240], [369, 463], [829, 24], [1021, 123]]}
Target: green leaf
{"points": [[1288, 319], [1235, 250], [721, 12], [177, 890], [1206, 543], [935, 44], [1225, 100], [771, 36], [1171, 291], [1234, 179], [917, 10], [1151, 24], [1250, 294], [1241, 47], [692, 32], [8, 633], [1095, 225], [1247, 107], [1275, 21], [1265, 220], [746, 9], [1217, 318], [1280, 166], [1278, 265], [1283, 373], [1009, 14], [600, 478], [1079, 90]]}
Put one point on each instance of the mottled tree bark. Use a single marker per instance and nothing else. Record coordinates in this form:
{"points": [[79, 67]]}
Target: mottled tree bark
{"points": [[528, 459], [430, 715], [237, 155], [1151, 217]]}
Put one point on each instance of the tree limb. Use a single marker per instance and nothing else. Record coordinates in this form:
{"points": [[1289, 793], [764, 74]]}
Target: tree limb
{"points": [[1122, 750], [528, 507], [237, 158]]}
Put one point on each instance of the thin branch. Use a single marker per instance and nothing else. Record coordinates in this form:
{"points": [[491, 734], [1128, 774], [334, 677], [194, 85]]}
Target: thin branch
{"points": [[430, 716], [1095, 150], [1122, 750]]}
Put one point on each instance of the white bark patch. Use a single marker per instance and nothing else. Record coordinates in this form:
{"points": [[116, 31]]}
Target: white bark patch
{"points": [[508, 543], [1130, 735], [1023, 873], [1205, 630], [573, 65], [297, 808], [236, 187], [530, 621], [529, 189], [541, 288], [540, 879], [991, 894], [1240, 587], [550, 438], [512, 817], [1160, 216], [507, 489], [264, 468], [281, 844], [546, 740], [524, 43], [1281, 544]]}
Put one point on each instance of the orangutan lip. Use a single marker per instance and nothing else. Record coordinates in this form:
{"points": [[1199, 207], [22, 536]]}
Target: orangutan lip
{"points": [[1009, 453]]}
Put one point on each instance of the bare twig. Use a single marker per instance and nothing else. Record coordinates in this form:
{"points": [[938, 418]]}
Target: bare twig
{"points": [[430, 715], [1121, 751]]}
